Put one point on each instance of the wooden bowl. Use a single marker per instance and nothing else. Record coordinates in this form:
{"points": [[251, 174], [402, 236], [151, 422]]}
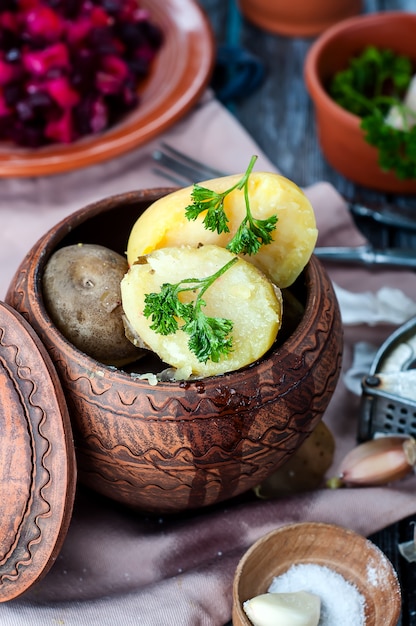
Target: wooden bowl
{"points": [[339, 133], [352, 556], [183, 445]]}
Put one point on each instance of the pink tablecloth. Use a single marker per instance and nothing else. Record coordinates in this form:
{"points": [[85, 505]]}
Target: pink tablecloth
{"points": [[124, 567]]}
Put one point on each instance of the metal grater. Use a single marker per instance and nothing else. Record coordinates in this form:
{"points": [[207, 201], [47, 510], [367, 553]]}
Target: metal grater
{"points": [[388, 403]]}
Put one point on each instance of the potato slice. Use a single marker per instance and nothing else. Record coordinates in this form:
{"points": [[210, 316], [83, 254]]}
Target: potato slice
{"points": [[164, 224], [242, 294]]}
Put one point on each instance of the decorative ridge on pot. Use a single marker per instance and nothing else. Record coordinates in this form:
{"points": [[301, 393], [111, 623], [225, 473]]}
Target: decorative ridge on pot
{"points": [[340, 136]]}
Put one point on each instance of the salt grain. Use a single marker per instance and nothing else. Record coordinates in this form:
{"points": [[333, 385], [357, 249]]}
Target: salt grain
{"points": [[341, 602], [373, 575]]}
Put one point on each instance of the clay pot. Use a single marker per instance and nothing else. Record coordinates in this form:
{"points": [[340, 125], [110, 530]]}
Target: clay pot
{"points": [[297, 17], [339, 133], [183, 445], [343, 551]]}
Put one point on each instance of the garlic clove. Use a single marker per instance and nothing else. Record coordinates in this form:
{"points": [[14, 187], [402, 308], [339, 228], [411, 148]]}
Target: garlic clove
{"points": [[378, 462], [298, 608], [410, 101], [403, 117]]}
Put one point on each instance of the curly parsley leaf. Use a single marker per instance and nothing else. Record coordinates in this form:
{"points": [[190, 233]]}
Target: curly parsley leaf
{"points": [[213, 203], [164, 308], [377, 78], [251, 234], [209, 337]]}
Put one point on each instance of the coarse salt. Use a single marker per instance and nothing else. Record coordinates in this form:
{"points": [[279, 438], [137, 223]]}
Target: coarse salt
{"points": [[341, 602]]}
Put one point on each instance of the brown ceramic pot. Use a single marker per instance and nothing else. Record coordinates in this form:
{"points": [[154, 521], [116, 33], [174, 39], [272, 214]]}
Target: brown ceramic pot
{"points": [[343, 551], [339, 133], [183, 445], [297, 17]]}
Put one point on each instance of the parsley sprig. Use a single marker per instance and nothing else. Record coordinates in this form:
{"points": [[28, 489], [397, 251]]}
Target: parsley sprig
{"points": [[251, 234], [209, 337], [374, 82]]}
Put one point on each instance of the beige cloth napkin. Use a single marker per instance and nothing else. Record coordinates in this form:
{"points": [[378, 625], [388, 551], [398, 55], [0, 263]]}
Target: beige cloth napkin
{"points": [[123, 567]]}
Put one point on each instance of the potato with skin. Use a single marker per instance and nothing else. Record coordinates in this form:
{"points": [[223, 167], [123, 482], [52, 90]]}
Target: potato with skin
{"points": [[305, 470], [164, 224], [242, 294], [81, 290]]}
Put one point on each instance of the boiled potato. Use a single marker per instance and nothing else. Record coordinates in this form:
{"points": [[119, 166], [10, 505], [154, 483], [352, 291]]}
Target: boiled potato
{"points": [[81, 290], [242, 294], [164, 224]]}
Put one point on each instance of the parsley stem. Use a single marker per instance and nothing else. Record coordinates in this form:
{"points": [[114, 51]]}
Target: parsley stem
{"points": [[204, 283], [243, 184], [212, 203], [243, 181], [249, 214]]}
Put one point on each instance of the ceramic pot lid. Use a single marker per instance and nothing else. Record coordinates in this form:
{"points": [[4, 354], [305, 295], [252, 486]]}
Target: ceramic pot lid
{"points": [[37, 460]]}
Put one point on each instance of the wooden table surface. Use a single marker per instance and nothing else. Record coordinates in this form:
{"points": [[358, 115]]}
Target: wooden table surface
{"points": [[279, 116]]}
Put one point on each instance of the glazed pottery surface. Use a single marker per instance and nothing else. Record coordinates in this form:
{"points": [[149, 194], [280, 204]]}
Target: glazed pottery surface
{"points": [[354, 557], [298, 18], [183, 445], [339, 133]]}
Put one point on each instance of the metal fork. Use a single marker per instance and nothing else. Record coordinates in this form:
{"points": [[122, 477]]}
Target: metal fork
{"points": [[181, 169]]}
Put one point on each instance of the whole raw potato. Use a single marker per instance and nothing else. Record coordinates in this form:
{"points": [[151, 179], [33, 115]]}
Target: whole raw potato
{"points": [[164, 224], [81, 289]]}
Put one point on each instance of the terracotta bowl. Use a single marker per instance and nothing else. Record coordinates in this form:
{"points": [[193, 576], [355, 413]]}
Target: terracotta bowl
{"points": [[183, 445], [298, 18], [171, 89], [339, 133], [352, 556]]}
